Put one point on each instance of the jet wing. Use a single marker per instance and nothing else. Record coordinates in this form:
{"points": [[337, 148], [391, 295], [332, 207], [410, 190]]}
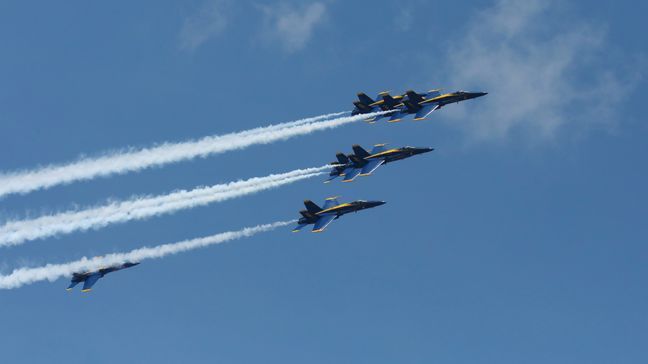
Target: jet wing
{"points": [[323, 222], [90, 281], [371, 166], [425, 111], [349, 176]]}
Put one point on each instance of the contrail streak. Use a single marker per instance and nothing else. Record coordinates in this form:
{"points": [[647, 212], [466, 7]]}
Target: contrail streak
{"points": [[138, 208], [122, 162], [22, 276]]}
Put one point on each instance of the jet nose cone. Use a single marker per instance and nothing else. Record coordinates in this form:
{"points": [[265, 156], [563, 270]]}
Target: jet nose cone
{"points": [[415, 151], [377, 203], [479, 94]]}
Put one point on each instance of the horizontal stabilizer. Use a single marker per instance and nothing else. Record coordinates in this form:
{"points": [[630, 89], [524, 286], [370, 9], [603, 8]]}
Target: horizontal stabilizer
{"points": [[396, 117], [297, 228], [72, 284], [331, 178]]}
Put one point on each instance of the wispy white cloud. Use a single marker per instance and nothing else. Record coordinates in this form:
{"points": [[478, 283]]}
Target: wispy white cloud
{"points": [[208, 22], [404, 19], [291, 25], [542, 71]]}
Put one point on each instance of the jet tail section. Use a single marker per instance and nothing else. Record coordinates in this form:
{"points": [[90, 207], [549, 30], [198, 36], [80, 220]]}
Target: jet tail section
{"points": [[297, 228], [363, 108], [342, 158], [360, 151], [357, 161], [414, 97], [412, 107], [390, 101], [307, 214], [312, 207], [364, 99]]}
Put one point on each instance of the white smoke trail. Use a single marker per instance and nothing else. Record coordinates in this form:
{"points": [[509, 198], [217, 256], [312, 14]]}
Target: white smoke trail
{"points": [[138, 208], [51, 272], [135, 160]]}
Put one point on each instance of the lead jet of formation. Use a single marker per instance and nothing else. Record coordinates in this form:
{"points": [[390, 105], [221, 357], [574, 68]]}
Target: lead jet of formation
{"points": [[422, 105], [321, 217], [363, 163], [90, 278], [383, 102]]}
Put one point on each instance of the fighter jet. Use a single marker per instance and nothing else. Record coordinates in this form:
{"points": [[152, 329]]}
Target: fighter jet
{"points": [[90, 278], [383, 102], [363, 163], [422, 105], [321, 217], [339, 166]]}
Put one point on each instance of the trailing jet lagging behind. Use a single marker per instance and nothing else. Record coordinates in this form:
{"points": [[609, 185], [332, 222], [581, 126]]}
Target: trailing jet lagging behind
{"points": [[422, 105], [90, 278], [383, 102], [321, 217], [339, 167], [363, 163]]}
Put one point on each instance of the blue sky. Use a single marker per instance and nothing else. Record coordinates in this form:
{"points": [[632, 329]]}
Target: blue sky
{"points": [[521, 238]]}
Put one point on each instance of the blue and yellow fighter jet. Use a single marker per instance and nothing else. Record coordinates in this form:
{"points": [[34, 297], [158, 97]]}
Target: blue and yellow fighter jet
{"points": [[383, 102], [363, 163], [90, 278], [422, 105], [321, 217]]}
